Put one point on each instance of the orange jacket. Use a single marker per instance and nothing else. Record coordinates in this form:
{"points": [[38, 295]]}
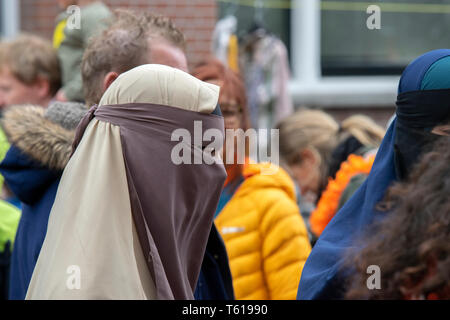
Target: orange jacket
{"points": [[265, 236], [333, 196]]}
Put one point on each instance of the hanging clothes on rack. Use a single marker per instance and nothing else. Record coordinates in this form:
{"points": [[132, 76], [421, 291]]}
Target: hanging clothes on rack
{"points": [[225, 42], [265, 67]]}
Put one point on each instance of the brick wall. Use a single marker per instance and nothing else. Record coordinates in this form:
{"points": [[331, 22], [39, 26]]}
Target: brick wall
{"points": [[196, 18]]}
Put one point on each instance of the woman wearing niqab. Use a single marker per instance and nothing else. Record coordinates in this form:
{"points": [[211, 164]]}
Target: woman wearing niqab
{"points": [[423, 103], [128, 222]]}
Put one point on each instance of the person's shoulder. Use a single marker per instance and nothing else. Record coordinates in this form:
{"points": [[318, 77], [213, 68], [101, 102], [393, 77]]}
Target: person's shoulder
{"points": [[268, 176], [95, 13], [94, 18], [96, 7]]}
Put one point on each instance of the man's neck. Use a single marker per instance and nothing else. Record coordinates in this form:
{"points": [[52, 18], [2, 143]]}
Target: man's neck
{"points": [[46, 102]]}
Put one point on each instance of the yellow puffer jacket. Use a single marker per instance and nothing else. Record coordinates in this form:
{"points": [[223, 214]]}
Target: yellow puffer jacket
{"points": [[265, 236]]}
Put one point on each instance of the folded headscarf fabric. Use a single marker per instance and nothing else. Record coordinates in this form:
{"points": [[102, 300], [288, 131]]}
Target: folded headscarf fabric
{"points": [[421, 105], [134, 224]]}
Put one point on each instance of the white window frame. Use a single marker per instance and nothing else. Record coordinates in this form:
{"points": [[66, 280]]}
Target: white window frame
{"points": [[9, 18], [308, 87]]}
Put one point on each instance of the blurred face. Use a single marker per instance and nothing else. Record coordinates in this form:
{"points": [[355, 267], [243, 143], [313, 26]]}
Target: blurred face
{"points": [[14, 91], [306, 172], [162, 52], [232, 116], [231, 111]]}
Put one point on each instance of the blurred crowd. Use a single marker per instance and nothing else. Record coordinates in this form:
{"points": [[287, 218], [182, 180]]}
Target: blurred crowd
{"points": [[93, 207]]}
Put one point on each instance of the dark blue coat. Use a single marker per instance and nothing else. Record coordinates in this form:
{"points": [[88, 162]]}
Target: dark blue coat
{"points": [[35, 186], [215, 282]]}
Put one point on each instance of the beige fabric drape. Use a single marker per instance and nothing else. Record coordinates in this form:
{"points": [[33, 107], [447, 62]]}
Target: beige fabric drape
{"points": [[93, 231]]}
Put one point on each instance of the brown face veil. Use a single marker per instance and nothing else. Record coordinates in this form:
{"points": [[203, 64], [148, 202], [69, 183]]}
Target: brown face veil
{"points": [[127, 219]]}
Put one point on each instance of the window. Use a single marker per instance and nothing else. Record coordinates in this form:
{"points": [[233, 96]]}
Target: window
{"points": [[409, 28], [336, 60], [315, 82], [9, 18]]}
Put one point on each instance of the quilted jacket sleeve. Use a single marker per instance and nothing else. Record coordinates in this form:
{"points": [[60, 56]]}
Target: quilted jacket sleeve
{"points": [[285, 247]]}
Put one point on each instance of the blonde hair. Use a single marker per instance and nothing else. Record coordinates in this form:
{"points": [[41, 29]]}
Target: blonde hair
{"points": [[318, 131], [364, 129], [306, 129], [29, 57]]}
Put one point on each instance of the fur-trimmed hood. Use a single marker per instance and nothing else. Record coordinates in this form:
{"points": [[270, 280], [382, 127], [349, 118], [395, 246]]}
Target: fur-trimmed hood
{"points": [[44, 141]]}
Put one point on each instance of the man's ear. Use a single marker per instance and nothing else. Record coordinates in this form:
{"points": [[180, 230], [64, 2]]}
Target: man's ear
{"points": [[108, 79], [42, 88]]}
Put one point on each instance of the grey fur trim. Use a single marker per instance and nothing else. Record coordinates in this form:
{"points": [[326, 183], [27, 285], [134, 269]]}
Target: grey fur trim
{"points": [[66, 114]]}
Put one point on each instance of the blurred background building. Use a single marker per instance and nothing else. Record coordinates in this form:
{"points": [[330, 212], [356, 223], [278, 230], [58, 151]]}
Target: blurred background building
{"points": [[336, 62]]}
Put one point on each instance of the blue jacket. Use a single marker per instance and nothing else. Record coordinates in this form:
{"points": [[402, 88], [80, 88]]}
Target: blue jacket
{"points": [[32, 167], [36, 188], [214, 282]]}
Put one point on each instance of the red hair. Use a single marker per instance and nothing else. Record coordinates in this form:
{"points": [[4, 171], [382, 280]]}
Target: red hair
{"points": [[232, 85]]}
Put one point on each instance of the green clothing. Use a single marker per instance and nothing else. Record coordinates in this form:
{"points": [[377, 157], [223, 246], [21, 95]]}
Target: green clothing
{"points": [[4, 146], [9, 214], [353, 185], [9, 221], [74, 41]]}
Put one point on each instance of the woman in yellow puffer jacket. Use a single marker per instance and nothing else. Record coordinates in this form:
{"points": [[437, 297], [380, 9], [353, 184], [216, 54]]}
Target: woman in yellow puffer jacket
{"points": [[264, 234]]}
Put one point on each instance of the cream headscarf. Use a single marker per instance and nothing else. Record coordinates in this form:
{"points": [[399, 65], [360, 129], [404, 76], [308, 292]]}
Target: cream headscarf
{"points": [[160, 84]]}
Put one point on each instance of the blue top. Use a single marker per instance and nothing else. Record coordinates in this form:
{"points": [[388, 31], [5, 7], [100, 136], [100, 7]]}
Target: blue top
{"points": [[320, 277], [214, 281], [228, 193]]}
